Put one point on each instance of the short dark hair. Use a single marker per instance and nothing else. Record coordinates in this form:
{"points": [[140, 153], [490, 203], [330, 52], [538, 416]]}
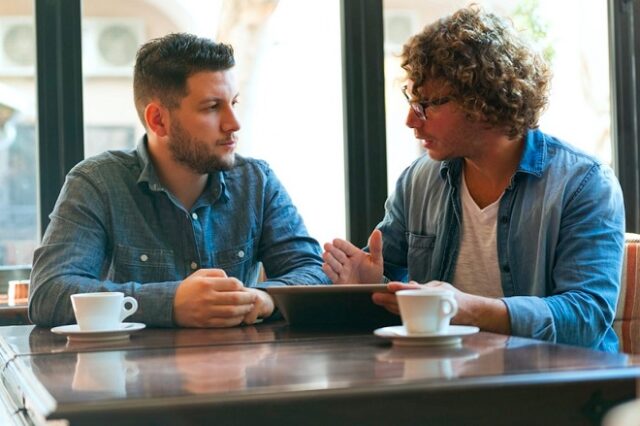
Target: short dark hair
{"points": [[494, 75], [164, 64]]}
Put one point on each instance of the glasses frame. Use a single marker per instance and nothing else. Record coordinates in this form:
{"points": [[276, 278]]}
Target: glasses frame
{"points": [[420, 107]]}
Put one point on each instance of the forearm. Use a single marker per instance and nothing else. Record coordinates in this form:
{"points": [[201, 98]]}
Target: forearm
{"points": [[486, 313], [50, 303]]}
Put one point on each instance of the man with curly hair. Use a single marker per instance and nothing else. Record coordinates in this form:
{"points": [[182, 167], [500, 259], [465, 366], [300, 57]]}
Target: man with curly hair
{"points": [[526, 230]]}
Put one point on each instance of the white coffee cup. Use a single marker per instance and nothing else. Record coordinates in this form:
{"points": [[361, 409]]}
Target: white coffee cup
{"points": [[102, 311], [426, 311]]}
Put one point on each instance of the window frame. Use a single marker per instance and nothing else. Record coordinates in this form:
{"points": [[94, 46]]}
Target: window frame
{"points": [[60, 113]]}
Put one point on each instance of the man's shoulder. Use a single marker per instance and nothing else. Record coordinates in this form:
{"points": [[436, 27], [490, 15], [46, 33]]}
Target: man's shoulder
{"points": [[560, 152], [108, 163], [247, 166]]}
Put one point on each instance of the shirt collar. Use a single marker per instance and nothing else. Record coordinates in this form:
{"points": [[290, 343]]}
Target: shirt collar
{"points": [[534, 154], [215, 188], [532, 162]]}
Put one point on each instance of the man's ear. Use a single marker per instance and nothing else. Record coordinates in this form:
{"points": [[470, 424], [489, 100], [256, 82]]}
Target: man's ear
{"points": [[157, 118]]}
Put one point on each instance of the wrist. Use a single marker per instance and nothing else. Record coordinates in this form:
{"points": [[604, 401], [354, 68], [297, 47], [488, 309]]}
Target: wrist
{"points": [[490, 315]]}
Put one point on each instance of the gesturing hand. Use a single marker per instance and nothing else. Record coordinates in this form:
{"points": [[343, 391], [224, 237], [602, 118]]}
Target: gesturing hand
{"points": [[208, 298], [347, 264]]}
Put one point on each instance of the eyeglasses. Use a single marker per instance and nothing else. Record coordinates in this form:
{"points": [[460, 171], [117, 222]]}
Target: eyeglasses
{"points": [[419, 107]]}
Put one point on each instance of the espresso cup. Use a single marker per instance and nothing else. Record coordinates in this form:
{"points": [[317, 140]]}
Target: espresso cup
{"points": [[426, 311], [102, 311]]}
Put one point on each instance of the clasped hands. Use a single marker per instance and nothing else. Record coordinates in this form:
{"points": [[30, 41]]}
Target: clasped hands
{"points": [[208, 298]]}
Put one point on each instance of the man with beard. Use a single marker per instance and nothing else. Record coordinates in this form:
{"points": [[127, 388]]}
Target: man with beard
{"points": [[526, 231], [181, 222]]}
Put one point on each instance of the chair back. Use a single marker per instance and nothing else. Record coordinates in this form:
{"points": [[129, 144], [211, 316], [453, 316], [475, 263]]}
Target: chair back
{"points": [[627, 320]]}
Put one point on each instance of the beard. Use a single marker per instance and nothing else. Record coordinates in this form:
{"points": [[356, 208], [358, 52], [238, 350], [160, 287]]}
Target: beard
{"points": [[195, 153]]}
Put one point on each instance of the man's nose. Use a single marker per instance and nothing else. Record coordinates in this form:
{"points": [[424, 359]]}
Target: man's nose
{"points": [[230, 122], [412, 121]]}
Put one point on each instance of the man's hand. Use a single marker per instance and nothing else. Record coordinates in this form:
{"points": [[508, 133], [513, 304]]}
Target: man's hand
{"points": [[208, 298], [487, 313], [389, 301], [347, 264], [262, 308]]}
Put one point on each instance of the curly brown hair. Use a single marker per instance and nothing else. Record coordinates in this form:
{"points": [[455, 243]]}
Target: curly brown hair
{"points": [[494, 75]]}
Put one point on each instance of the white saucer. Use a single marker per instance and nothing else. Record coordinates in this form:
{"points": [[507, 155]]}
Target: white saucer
{"points": [[74, 334], [452, 336]]}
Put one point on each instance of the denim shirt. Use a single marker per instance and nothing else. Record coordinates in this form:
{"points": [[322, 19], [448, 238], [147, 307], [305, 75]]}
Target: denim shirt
{"points": [[560, 239], [116, 228]]}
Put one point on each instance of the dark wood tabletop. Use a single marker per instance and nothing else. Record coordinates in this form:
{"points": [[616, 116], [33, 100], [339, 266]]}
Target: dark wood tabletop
{"points": [[271, 373]]}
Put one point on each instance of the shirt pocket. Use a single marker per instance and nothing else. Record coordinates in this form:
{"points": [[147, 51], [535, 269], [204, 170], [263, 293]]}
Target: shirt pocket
{"points": [[143, 265], [237, 261], [420, 252]]}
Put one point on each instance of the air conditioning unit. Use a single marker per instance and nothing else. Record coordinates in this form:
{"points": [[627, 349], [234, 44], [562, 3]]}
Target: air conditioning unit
{"points": [[399, 25], [17, 46], [109, 46]]}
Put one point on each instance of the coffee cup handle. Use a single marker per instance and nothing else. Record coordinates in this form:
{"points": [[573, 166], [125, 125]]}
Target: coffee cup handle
{"points": [[127, 312], [449, 307]]}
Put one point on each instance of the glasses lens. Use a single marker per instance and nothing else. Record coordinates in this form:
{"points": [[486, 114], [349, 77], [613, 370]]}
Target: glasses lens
{"points": [[417, 108]]}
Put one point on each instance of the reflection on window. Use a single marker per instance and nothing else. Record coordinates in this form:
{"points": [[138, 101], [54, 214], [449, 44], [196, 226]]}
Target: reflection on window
{"points": [[288, 58], [572, 34], [18, 154]]}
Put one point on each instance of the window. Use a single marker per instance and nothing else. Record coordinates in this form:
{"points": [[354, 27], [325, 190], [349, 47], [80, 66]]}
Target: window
{"points": [[18, 154], [289, 68]]}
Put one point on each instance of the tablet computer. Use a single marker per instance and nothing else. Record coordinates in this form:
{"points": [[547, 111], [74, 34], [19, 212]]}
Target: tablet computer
{"points": [[332, 305]]}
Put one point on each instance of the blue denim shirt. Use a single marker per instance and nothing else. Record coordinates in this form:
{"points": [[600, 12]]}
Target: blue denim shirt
{"points": [[560, 239], [116, 228]]}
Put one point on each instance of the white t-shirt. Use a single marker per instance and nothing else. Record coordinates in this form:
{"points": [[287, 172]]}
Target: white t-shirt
{"points": [[477, 269]]}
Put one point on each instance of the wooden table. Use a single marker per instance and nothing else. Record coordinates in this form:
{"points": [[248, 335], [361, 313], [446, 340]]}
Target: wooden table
{"points": [[273, 374]]}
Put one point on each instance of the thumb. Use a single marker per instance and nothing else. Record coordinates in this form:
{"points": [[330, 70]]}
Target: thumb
{"points": [[375, 245]]}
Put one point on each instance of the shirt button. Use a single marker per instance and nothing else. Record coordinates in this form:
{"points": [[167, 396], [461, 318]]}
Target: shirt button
{"points": [[194, 216], [194, 265], [144, 257], [506, 268], [504, 219], [241, 254]]}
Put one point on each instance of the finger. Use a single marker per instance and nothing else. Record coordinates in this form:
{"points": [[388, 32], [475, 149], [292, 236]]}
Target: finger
{"points": [[435, 284], [397, 286], [223, 284], [330, 273], [332, 262], [375, 245], [252, 316], [233, 298], [348, 248], [211, 272], [228, 311], [338, 255], [224, 322], [386, 300]]}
